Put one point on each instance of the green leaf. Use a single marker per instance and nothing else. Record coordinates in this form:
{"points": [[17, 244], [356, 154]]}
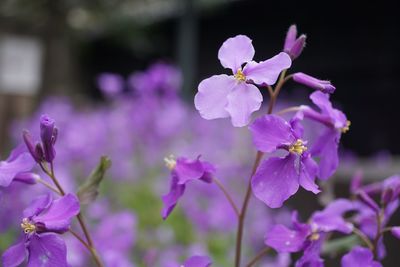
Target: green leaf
{"points": [[88, 191]]}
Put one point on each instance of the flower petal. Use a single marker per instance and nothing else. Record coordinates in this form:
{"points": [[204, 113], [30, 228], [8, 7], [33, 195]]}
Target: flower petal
{"points": [[211, 99], [58, 216], [242, 101], [22, 162], [47, 250], [187, 170], [267, 72], [170, 199], [198, 261], [308, 171], [359, 257], [38, 205], [276, 180], [338, 119], [235, 51], [271, 131], [326, 147], [282, 239], [14, 255]]}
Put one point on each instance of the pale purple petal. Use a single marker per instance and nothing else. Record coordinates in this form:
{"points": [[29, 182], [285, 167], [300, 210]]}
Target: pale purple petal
{"points": [[307, 80], [235, 51], [276, 180], [211, 99], [271, 131], [14, 255], [326, 147], [395, 231], [171, 199], [187, 170], [58, 216], [311, 256], [22, 162], [290, 38], [47, 250], [337, 118], [308, 171], [267, 72], [38, 205], [242, 101], [331, 218], [359, 257], [197, 261], [282, 239]]}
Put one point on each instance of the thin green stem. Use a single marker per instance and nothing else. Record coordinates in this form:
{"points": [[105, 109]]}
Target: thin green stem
{"points": [[48, 185], [259, 256], [364, 238], [227, 195]]}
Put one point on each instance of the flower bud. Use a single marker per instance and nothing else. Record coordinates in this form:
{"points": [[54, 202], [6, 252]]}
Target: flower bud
{"points": [[34, 150], [290, 38], [367, 200], [48, 134], [297, 47], [307, 80], [27, 177]]}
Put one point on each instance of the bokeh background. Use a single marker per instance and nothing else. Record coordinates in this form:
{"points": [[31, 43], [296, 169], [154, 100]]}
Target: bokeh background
{"points": [[54, 53]]}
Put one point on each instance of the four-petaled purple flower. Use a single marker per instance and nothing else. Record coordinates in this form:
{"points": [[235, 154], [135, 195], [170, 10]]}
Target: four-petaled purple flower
{"points": [[184, 170], [236, 96], [197, 261], [43, 220], [309, 236], [326, 145], [17, 167], [278, 178], [359, 257]]}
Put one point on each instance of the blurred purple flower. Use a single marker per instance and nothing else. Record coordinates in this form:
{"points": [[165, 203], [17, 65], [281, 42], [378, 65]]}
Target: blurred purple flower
{"points": [[110, 84], [42, 220], [276, 179], [359, 257], [197, 261], [222, 96]]}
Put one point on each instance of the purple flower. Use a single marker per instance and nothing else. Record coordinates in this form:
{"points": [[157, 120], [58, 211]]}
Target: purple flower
{"points": [[278, 178], [309, 236], [359, 257], [222, 96], [326, 145], [197, 261], [294, 46], [42, 220], [184, 170], [16, 168], [317, 84], [110, 84]]}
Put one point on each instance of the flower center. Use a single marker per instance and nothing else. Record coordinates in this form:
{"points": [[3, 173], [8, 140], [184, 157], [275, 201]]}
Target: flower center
{"points": [[27, 226], [346, 128], [170, 162], [240, 75], [314, 236], [298, 147]]}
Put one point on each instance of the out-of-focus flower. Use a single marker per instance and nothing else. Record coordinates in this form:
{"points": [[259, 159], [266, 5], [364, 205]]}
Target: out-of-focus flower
{"points": [[184, 170], [17, 167], [317, 84], [197, 261], [110, 84], [276, 179], [42, 220], [294, 46], [359, 257], [326, 145], [222, 96]]}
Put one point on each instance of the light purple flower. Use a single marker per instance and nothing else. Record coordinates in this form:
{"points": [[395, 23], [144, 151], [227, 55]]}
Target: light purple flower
{"points": [[184, 170], [42, 220], [359, 257], [110, 84], [197, 261], [222, 96], [326, 145], [294, 46], [317, 84], [278, 178], [48, 134], [17, 167]]}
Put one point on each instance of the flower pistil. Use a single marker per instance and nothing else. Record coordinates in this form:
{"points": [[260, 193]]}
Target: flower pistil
{"points": [[27, 226], [298, 147]]}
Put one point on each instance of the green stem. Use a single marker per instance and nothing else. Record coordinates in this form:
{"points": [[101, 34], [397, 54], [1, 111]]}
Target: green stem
{"points": [[259, 256], [227, 195]]}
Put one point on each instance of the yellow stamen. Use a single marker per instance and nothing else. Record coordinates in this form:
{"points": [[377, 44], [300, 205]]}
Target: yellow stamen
{"points": [[170, 162], [298, 147], [314, 236], [240, 75], [27, 226], [346, 128]]}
